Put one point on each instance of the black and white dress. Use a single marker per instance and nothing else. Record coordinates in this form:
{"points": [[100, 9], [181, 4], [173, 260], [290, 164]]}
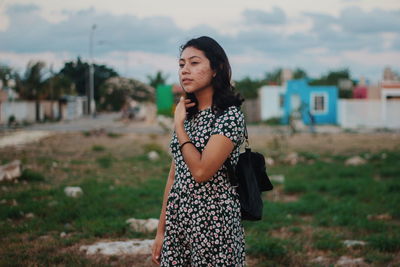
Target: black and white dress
{"points": [[203, 225]]}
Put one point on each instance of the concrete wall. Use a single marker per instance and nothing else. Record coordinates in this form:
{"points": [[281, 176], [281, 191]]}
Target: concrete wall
{"points": [[270, 98], [354, 113], [22, 111], [26, 110]]}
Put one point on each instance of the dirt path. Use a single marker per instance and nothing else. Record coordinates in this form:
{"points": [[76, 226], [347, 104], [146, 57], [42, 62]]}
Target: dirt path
{"points": [[23, 137]]}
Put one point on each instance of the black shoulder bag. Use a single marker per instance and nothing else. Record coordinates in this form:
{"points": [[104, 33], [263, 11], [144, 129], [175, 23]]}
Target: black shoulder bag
{"points": [[250, 178]]}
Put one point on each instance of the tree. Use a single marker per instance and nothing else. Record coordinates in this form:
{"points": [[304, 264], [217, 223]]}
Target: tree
{"points": [[273, 77], [117, 90], [158, 79], [332, 77], [299, 74], [32, 85], [6, 73], [248, 88], [78, 72]]}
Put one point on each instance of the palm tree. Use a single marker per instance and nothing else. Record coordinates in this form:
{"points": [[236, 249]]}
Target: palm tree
{"points": [[33, 83], [58, 85], [158, 79]]}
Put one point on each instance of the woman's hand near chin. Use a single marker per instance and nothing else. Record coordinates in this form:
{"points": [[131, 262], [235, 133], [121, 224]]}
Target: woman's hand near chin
{"points": [[181, 109]]}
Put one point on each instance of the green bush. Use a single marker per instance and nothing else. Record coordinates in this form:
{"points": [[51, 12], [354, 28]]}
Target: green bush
{"points": [[32, 176], [272, 248], [105, 161], [114, 135], [326, 241], [98, 148], [385, 243]]}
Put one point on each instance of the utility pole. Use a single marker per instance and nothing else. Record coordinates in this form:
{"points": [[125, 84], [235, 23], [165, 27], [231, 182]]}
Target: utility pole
{"points": [[91, 102]]}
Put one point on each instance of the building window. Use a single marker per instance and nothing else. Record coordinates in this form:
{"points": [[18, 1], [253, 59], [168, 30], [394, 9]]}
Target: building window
{"points": [[319, 103]]}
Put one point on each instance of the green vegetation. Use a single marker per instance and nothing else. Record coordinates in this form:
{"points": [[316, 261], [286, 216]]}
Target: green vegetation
{"points": [[330, 203], [98, 148]]}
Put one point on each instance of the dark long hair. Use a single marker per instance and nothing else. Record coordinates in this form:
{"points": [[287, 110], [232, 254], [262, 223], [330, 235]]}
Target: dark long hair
{"points": [[224, 95]]}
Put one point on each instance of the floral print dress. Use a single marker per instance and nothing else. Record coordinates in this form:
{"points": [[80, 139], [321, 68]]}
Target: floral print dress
{"points": [[203, 225]]}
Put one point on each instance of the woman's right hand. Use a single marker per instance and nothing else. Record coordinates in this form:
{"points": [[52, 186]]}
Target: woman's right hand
{"points": [[156, 249]]}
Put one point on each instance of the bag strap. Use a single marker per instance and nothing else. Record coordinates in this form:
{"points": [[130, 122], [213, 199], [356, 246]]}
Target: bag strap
{"points": [[231, 169]]}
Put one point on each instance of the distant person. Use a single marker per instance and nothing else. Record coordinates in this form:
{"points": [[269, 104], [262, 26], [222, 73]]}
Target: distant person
{"points": [[312, 122], [200, 221]]}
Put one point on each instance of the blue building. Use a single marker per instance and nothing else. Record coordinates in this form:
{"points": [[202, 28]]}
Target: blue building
{"points": [[306, 102]]}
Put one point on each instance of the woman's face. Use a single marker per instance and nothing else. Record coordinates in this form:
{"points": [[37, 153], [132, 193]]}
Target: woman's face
{"points": [[195, 72]]}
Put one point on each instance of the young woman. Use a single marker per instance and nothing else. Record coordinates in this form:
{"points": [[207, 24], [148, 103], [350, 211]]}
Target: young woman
{"points": [[200, 221]]}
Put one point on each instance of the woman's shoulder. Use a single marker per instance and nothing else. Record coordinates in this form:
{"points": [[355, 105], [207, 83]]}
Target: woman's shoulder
{"points": [[232, 114], [233, 111]]}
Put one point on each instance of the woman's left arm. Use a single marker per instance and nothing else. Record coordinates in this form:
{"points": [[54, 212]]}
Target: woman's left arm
{"points": [[201, 165]]}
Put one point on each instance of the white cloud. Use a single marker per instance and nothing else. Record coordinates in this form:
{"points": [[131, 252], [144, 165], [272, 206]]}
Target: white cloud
{"points": [[20, 60]]}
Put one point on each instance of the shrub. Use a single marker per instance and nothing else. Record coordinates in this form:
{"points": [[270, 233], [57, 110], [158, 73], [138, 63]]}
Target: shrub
{"points": [[385, 243], [269, 247], [105, 162], [326, 241], [98, 148], [32, 176]]}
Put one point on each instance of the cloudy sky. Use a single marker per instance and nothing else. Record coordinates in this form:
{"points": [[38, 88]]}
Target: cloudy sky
{"points": [[139, 37]]}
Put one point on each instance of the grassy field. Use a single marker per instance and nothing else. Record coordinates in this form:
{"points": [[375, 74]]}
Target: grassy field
{"points": [[321, 203]]}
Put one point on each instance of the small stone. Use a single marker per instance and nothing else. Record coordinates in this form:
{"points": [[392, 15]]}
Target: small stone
{"points": [[319, 259], [269, 161], [52, 203], [54, 164], [14, 202], [29, 215], [132, 247], [352, 243], [355, 161], [3, 201], [143, 225], [278, 178], [4, 188], [347, 261], [153, 155], [383, 156], [73, 191], [63, 234], [292, 158], [380, 217], [10, 171]]}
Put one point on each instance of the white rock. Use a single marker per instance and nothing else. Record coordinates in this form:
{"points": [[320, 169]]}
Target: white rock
{"points": [[142, 225], [73, 191], [319, 259], [352, 243], [52, 203], [355, 161], [14, 202], [63, 234], [132, 247], [347, 261], [10, 171], [269, 161], [279, 178], [29, 215], [3, 201], [292, 158], [153, 155]]}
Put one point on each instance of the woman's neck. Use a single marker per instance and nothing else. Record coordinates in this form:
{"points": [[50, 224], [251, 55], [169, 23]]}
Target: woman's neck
{"points": [[204, 98]]}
